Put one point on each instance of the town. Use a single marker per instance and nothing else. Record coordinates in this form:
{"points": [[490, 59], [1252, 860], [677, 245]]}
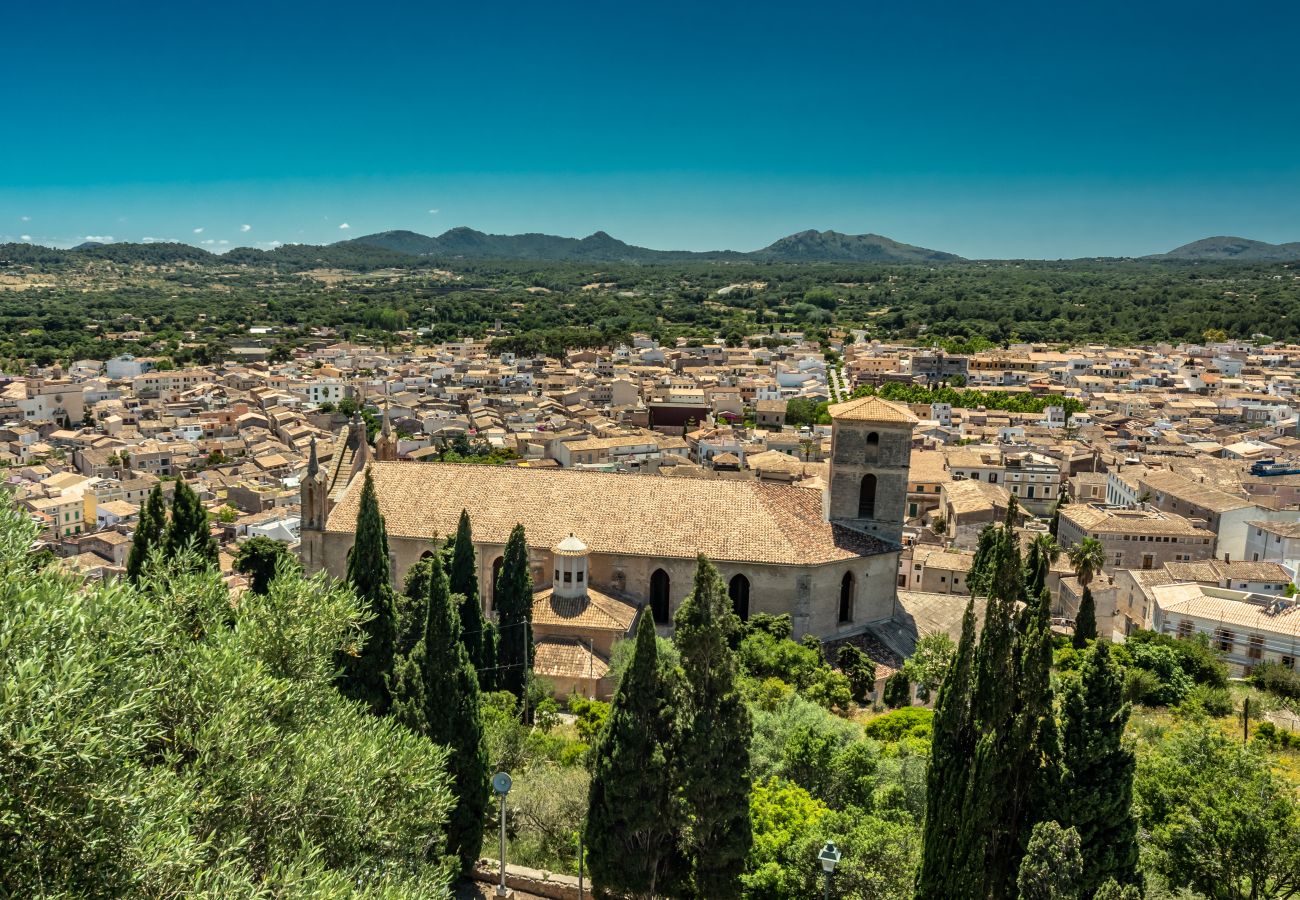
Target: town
{"points": [[1176, 459]]}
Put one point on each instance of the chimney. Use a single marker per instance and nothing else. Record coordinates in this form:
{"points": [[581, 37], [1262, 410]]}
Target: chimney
{"points": [[1227, 558]]}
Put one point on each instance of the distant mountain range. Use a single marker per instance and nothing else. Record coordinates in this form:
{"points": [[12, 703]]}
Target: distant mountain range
{"points": [[407, 248], [806, 246], [1221, 249]]}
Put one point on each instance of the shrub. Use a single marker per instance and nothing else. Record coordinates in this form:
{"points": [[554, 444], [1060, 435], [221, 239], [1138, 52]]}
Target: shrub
{"points": [[898, 690], [1277, 679], [909, 721], [1213, 701]]}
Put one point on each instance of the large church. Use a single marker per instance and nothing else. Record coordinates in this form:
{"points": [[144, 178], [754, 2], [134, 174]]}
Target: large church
{"points": [[606, 548]]}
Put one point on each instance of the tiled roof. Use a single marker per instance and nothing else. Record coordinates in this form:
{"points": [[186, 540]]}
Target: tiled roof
{"points": [[638, 515], [567, 658], [872, 409], [595, 611]]}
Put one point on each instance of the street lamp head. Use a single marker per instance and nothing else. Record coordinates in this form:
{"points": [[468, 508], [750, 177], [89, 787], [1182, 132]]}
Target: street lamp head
{"points": [[501, 783], [829, 857]]}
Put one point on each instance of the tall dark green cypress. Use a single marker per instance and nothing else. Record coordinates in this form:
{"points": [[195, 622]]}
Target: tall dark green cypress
{"points": [[437, 695], [990, 834], [464, 581], [1098, 781], [150, 530], [413, 605], [941, 876], [1085, 622], [713, 767], [1035, 734], [994, 755], [631, 830], [367, 673], [489, 674], [190, 528], [514, 593]]}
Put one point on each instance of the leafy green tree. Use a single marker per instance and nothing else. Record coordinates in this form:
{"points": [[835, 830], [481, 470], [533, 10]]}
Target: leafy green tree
{"points": [[190, 529], [713, 759], [929, 662], [1054, 524], [161, 741], [860, 670], [436, 694], [260, 558], [898, 690], [1085, 622], [632, 830], [783, 818], [1097, 789], [367, 670], [1219, 821], [149, 533], [464, 582], [1053, 867], [514, 599]]}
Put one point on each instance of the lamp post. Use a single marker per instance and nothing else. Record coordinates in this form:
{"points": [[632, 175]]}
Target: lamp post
{"points": [[829, 858], [501, 785]]}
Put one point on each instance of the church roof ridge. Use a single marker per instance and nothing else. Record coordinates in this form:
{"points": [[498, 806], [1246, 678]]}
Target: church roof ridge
{"points": [[872, 409]]}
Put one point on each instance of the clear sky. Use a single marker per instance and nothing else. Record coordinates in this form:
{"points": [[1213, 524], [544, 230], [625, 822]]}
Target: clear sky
{"points": [[988, 129]]}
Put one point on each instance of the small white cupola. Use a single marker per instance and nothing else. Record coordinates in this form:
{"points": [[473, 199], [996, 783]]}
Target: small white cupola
{"points": [[570, 557]]}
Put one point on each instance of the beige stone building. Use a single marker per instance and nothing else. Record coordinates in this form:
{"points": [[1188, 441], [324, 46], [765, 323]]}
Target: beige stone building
{"points": [[828, 558]]}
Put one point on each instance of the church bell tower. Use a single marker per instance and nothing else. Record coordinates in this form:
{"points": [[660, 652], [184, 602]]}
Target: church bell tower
{"points": [[871, 451]]}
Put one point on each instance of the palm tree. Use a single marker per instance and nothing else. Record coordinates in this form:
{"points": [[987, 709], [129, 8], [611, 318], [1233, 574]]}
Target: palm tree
{"points": [[1087, 557], [1043, 551]]}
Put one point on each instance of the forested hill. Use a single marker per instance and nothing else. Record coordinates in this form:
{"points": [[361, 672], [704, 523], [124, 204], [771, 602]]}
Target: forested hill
{"points": [[1225, 249], [806, 246]]}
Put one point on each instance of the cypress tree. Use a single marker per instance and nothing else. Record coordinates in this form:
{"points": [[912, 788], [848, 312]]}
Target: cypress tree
{"points": [[1035, 732], [149, 533], [367, 672], [990, 834], [412, 605], [1099, 766], [714, 756], [189, 528], [1085, 623], [488, 675], [941, 877], [994, 749], [514, 592], [630, 831], [898, 690], [464, 581], [436, 694]]}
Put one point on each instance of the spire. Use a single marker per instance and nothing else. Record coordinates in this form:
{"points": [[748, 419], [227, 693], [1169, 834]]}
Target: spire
{"points": [[387, 430], [313, 464]]}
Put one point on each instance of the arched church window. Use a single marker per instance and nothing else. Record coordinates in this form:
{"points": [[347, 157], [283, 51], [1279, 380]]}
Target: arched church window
{"points": [[867, 498], [659, 596], [846, 598], [738, 589]]}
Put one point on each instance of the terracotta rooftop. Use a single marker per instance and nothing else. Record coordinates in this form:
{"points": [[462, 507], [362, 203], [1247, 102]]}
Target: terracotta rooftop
{"points": [[637, 515], [872, 409], [596, 611], [555, 657]]}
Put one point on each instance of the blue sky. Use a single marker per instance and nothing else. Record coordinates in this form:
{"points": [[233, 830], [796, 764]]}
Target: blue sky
{"points": [[997, 129]]}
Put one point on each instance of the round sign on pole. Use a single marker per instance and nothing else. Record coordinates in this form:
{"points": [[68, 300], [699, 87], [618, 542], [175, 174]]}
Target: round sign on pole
{"points": [[501, 783]]}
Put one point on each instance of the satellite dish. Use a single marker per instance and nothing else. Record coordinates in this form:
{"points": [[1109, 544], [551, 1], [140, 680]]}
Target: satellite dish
{"points": [[501, 783]]}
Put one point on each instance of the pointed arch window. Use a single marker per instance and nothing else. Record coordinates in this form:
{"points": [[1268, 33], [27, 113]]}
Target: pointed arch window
{"points": [[738, 590], [659, 587]]}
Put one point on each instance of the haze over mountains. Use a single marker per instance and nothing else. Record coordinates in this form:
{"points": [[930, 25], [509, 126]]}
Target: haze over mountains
{"points": [[396, 248]]}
